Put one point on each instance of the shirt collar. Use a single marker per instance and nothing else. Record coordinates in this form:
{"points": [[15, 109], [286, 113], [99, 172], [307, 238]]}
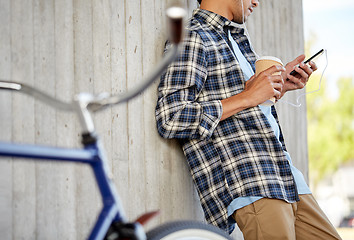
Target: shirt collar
{"points": [[217, 20]]}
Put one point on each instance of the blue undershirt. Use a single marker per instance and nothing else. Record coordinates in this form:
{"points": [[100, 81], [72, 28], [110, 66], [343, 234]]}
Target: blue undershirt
{"points": [[302, 187]]}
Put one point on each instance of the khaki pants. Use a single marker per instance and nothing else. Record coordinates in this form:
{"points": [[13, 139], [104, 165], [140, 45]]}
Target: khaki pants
{"points": [[276, 219]]}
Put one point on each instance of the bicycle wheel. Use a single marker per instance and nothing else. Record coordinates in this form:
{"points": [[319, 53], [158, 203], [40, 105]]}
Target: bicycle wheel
{"points": [[187, 230]]}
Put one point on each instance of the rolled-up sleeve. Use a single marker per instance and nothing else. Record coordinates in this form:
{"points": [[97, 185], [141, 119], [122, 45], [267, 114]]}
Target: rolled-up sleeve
{"points": [[181, 111]]}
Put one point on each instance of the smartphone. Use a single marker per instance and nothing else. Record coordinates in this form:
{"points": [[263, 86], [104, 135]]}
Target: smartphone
{"points": [[310, 59]]}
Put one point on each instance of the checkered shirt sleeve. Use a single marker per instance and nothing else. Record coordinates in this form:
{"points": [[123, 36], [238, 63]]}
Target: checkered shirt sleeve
{"points": [[179, 112]]}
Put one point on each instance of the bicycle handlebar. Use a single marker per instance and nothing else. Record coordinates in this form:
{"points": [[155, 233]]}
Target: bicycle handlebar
{"points": [[36, 94], [103, 100]]}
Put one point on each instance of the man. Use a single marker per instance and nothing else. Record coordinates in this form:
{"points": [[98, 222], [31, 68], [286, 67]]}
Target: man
{"points": [[210, 100]]}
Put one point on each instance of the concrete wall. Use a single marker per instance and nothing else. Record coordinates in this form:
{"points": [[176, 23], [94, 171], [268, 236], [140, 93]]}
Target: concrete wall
{"points": [[66, 47]]}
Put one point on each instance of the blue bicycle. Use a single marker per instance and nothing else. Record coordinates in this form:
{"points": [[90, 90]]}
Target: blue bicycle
{"points": [[111, 223]]}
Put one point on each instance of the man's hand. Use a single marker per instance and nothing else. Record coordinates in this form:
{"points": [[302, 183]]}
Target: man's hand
{"points": [[257, 90], [266, 85], [303, 72]]}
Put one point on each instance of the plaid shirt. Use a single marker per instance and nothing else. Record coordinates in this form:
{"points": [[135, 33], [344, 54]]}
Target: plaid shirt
{"points": [[237, 157]]}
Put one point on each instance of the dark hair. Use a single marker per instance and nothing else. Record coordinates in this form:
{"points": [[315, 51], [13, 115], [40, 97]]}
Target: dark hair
{"points": [[200, 1]]}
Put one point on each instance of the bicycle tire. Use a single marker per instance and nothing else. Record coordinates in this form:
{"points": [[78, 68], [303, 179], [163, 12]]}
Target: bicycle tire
{"points": [[187, 230]]}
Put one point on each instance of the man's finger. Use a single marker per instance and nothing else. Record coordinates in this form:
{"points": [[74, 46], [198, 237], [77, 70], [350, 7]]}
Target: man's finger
{"points": [[301, 71], [298, 84], [307, 69], [299, 59], [313, 65], [276, 79], [278, 86], [274, 69], [295, 62], [277, 94]]}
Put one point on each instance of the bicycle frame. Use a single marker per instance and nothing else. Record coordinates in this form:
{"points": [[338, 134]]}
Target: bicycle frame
{"points": [[93, 155]]}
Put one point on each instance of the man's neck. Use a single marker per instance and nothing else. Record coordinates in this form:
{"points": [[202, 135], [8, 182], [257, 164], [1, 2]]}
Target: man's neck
{"points": [[219, 7]]}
